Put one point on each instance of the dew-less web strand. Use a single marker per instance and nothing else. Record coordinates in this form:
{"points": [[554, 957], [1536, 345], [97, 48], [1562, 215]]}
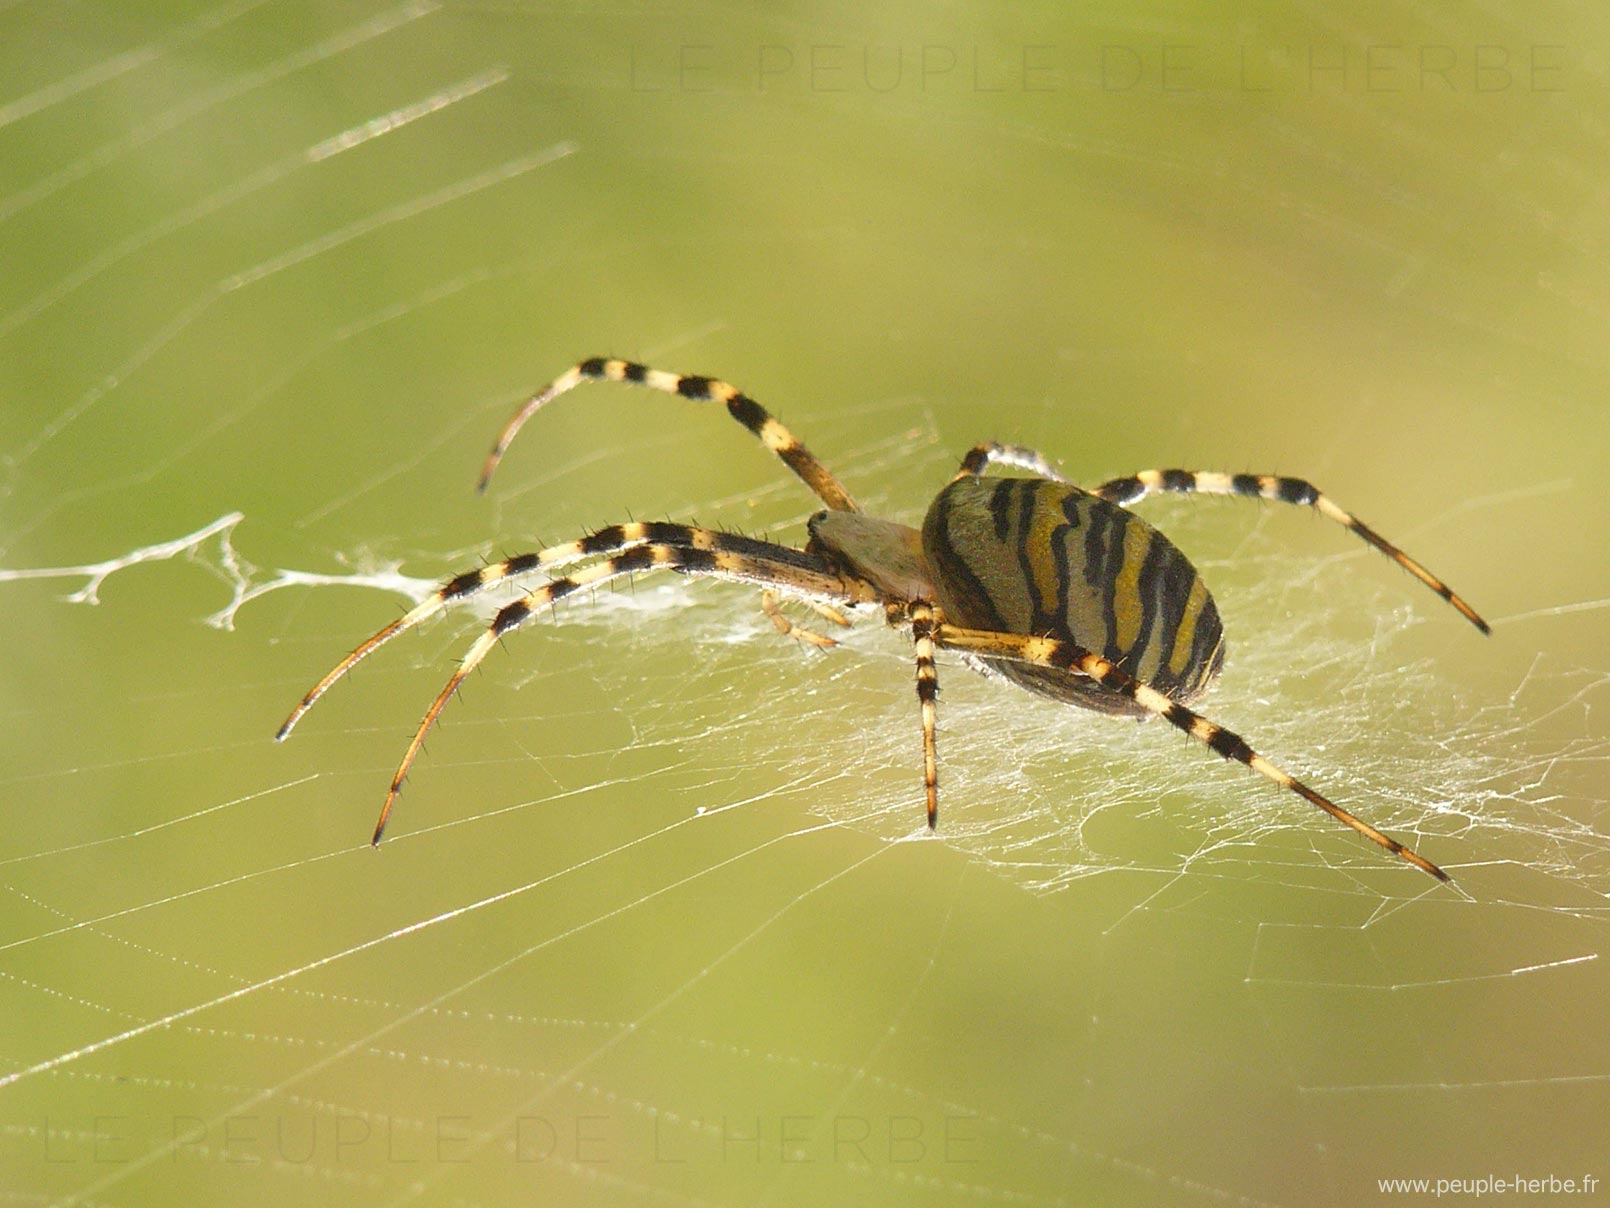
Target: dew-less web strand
{"points": [[759, 562], [1049, 652], [742, 408], [1276, 489], [611, 540]]}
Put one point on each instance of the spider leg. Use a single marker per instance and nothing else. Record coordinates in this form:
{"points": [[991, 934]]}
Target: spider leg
{"points": [[833, 613], [774, 610], [742, 408], [1050, 652], [744, 560], [980, 457], [1283, 490], [609, 540], [923, 628]]}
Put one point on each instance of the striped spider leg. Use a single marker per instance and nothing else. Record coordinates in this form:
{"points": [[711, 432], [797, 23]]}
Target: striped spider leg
{"points": [[610, 540], [739, 405], [766, 428], [923, 627], [631, 549], [722, 555], [992, 453], [1134, 487], [1051, 652]]}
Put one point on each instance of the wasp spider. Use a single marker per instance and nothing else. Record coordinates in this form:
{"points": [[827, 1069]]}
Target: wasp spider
{"points": [[1056, 587]]}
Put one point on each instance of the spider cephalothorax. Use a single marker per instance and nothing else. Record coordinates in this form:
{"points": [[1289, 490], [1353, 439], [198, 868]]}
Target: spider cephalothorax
{"points": [[1058, 588]]}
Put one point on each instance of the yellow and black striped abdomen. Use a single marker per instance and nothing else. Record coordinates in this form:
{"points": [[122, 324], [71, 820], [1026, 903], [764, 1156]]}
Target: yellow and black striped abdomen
{"points": [[1031, 556]]}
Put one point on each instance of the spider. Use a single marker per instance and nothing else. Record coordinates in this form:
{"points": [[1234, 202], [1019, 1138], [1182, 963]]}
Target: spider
{"points": [[1057, 588]]}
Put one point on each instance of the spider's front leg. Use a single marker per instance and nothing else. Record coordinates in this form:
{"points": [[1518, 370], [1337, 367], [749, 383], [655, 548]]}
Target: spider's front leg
{"points": [[611, 540], [1052, 652], [765, 427], [719, 555]]}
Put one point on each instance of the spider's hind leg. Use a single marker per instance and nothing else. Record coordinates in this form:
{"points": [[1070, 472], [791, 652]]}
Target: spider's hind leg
{"points": [[1134, 487], [1051, 652]]}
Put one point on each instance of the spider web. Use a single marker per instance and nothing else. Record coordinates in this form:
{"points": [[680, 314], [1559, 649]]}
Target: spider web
{"points": [[657, 920]]}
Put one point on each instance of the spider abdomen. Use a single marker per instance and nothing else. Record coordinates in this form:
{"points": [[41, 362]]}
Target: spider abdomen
{"points": [[1032, 556]]}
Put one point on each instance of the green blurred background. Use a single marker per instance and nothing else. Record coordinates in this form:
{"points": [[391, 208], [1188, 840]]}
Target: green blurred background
{"points": [[296, 260]]}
